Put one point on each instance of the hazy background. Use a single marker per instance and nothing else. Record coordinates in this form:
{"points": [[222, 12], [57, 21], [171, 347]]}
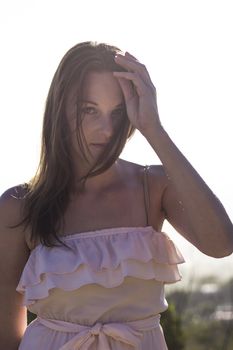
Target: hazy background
{"points": [[187, 48]]}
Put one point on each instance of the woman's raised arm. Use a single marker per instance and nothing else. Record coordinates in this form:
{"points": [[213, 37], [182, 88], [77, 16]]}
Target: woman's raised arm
{"points": [[189, 204]]}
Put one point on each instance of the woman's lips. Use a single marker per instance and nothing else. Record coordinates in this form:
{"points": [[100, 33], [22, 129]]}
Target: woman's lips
{"points": [[99, 145]]}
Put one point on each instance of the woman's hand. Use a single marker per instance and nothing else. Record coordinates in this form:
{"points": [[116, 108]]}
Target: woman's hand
{"points": [[139, 93]]}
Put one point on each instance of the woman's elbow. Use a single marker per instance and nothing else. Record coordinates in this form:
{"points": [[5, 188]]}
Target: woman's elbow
{"points": [[221, 250]]}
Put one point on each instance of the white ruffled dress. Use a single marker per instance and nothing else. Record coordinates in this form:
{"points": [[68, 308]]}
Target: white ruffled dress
{"points": [[106, 292]]}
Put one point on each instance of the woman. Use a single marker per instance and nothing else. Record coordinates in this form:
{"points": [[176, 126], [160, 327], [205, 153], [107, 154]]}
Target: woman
{"points": [[81, 244]]}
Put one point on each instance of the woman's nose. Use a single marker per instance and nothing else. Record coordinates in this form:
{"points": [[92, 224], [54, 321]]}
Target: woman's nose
{"points": [[107, 127]]}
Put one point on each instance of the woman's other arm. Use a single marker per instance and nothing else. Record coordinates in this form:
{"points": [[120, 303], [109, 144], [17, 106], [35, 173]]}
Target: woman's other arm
{"points": [[189, 204], [13, 256]]}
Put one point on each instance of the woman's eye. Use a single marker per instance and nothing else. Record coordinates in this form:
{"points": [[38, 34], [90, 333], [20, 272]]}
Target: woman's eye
{"points": [[89, 110], [118, 112]]}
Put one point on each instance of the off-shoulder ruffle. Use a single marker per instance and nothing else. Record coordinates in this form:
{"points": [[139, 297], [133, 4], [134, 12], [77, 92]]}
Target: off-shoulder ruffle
{"points": [[104, 257]]}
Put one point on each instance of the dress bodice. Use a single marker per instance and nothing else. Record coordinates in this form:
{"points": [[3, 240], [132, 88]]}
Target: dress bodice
{"points": [[99, 273]]}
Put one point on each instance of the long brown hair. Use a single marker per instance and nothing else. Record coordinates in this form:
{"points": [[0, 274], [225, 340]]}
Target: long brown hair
{"points": [[47, 194]]}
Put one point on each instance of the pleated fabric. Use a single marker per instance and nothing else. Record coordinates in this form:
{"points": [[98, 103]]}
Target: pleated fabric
{"points": [[105, 291]]}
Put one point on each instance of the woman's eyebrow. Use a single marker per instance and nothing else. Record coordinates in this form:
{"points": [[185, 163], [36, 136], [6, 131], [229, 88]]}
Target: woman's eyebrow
{"points": [[96, 104], [121, 104], [87, 101]]}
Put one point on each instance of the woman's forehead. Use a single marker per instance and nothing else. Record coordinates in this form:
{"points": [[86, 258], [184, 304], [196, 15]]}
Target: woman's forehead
{"points": [[97, 87], [101, 85]]}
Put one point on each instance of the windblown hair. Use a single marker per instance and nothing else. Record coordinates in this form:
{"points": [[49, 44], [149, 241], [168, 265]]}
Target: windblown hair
{"points": [[48, 193]]}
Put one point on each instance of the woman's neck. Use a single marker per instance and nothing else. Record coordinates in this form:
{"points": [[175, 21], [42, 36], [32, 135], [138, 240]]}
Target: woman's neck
{"points": [[102, 181]]}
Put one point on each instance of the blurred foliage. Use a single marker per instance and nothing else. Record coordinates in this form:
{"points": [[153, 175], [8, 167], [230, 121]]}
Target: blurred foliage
{"points": [[171, 324], [30, 317], [212, 335], [206, 318]]}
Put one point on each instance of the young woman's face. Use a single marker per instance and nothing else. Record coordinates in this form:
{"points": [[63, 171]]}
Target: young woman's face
{"points": [[102, 109]]}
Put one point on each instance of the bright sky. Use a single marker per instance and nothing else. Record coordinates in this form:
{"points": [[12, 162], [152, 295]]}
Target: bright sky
{"points": [[187, 48]]}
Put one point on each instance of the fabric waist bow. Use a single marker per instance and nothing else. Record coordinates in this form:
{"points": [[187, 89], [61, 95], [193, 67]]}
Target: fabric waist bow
{"points": [[129, 333]]}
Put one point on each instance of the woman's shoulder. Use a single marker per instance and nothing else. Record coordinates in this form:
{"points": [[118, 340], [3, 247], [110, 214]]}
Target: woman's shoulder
{"points": [[10, 199], [15, 192], [153, 171], [11, 204], [154, 180]]}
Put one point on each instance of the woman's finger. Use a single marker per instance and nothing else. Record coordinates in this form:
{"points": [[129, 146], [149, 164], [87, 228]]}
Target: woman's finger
{"points": [[133, 66], [129, 55], [141, 87], [128, 63], [127, 88]]}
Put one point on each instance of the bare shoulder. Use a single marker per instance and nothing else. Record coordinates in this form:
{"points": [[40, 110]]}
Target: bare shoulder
{"points": [[156, 185], [15, 192], [156, 178], [155, 173], [11, 204]]}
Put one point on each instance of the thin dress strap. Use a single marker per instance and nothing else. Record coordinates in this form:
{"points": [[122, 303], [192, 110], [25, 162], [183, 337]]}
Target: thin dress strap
{"points": [[146, 192]]}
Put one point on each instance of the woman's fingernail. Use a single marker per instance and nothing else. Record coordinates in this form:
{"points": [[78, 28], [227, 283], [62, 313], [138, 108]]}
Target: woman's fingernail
{"points": [[118, 56]]}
